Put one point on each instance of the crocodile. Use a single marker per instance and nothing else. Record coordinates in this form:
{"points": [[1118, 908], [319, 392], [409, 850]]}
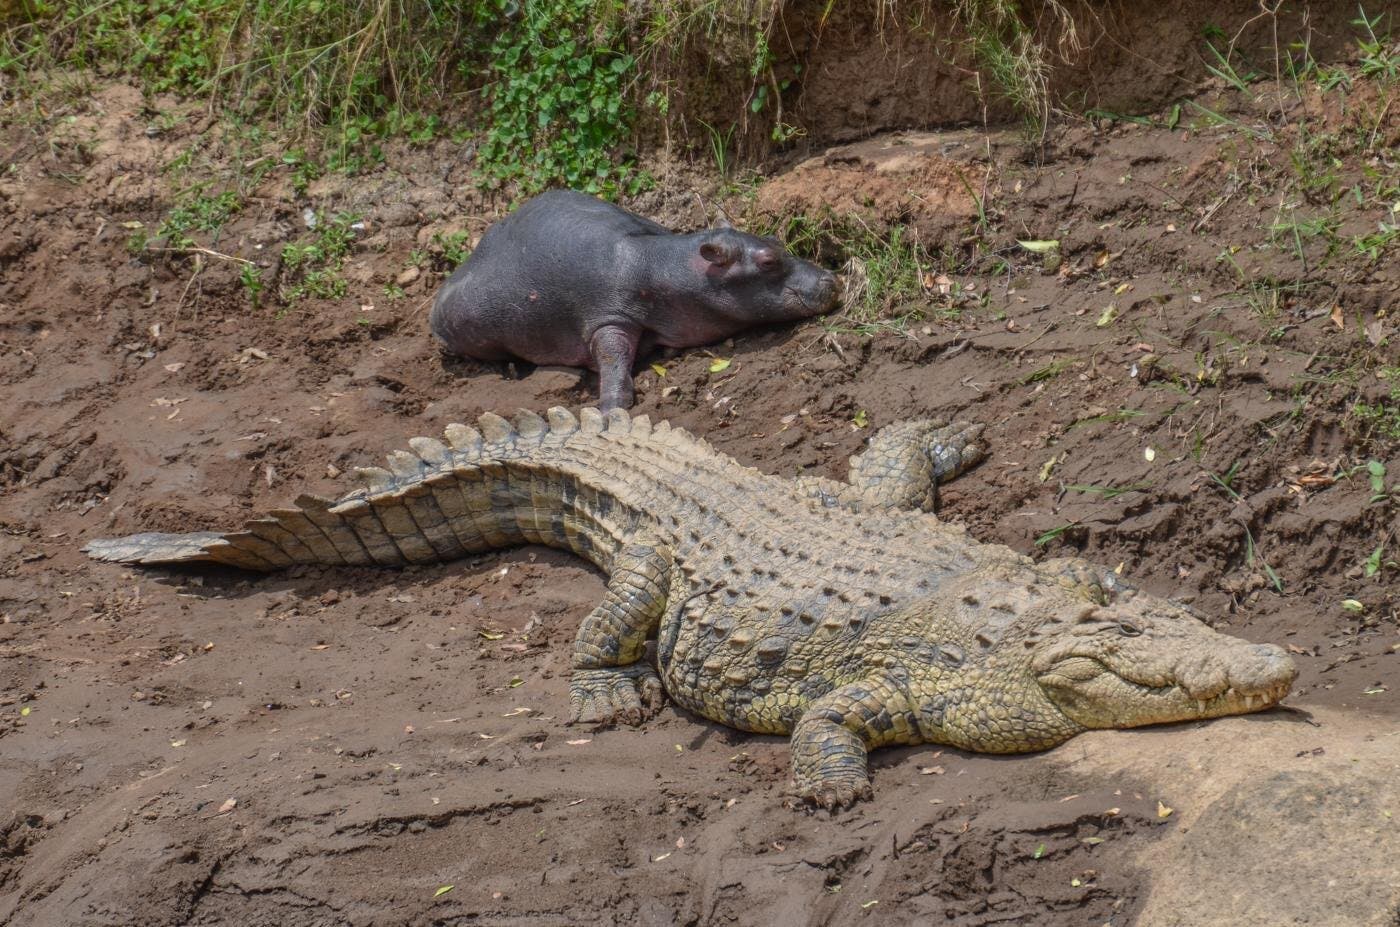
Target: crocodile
{"points": [[844, 614]]}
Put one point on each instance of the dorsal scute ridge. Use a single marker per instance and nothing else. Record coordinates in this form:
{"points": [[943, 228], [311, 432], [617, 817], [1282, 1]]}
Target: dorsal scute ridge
{"points": [[431, 451], [462, 438], [404, 466], [529, 425], [494, 429], [618, 422], [590, 421], [561, 421], [376, 479]]}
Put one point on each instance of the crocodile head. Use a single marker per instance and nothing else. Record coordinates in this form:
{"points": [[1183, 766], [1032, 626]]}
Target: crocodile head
{"points": [[1142, 660], [1042, 664]]}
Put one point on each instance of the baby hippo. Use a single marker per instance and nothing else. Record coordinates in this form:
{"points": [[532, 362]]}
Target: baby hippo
{"points": [[569, 279]]}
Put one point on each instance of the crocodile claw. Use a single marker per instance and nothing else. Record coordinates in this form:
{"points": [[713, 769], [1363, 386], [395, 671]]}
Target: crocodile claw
{"points": [[616, 695], [832, 793]]}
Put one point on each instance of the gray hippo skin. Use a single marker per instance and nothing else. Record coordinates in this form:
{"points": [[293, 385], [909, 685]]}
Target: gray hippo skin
{"points": [[569, 279]]}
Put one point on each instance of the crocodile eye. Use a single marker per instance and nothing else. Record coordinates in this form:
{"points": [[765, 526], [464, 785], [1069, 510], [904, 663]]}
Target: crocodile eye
{"points": [[1129, 630]]}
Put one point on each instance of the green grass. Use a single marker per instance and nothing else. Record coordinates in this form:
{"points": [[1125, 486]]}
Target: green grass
{"points": [[1014, 60], [891, 280], [1381, 419], [1049, 371], [1110, 492], [1122, 415], [548, 91]]}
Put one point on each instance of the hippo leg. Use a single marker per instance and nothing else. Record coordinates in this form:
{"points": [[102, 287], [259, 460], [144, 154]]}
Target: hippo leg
{"points": [[614, 350]]}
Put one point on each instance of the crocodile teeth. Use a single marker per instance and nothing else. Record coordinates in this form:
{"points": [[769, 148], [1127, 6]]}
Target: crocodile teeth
{"points": [[1201, 705]]}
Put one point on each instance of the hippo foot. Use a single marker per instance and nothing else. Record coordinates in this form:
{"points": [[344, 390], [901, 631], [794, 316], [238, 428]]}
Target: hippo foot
{"points": [[616, 695]]}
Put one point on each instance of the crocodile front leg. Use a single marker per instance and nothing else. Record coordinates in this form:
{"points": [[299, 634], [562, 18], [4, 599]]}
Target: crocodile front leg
{"points": [[609, 683], [903, 466], [835, 734]]}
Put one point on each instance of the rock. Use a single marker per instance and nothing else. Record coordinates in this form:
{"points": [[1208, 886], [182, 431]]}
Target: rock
{"points": [[1277, 821]]}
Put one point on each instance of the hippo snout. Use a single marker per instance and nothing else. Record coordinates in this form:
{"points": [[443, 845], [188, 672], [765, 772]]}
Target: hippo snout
{"points": [[817, 297]]}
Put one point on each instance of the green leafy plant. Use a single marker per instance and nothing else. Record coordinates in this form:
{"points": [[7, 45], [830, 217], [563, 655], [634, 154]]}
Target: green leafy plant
{"points": [[312, 268], [556, 105]]}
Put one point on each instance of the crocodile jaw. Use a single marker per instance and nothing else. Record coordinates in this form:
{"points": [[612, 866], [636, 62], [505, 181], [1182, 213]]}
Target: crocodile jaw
{"points": [[1201, 674]]}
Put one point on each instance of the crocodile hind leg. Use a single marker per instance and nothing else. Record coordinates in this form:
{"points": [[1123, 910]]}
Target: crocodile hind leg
{"points": [[903, 466], [831, 740], [610, 683]]}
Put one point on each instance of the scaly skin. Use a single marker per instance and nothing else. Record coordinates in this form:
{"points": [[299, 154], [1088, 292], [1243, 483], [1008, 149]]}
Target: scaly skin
{"points": [[844, 614]]}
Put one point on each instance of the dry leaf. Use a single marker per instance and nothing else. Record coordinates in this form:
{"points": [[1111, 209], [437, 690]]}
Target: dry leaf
{"points": [[720, 364], [1375, 332], [932, 771], [228, 805], [1163, 811], [1337, 318]]}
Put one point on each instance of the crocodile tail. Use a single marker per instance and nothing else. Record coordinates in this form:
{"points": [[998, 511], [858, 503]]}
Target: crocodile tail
{"points": [[433, 503], [308, 533]]}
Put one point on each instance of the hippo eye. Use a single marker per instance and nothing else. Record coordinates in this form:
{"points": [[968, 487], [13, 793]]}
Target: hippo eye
{"points": [[767, 260], [1129, 630]]}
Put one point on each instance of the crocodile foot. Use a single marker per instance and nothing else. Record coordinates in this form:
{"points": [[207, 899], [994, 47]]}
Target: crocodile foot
{"points": [[832, 792], [622, 694]]}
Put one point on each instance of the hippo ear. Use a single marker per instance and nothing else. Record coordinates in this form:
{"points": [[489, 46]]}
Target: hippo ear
{"points": [[719, 252], [722, 219]]}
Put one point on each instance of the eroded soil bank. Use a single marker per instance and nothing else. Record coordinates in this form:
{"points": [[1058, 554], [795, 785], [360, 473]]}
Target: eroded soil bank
{"points": [[1176, 391]]}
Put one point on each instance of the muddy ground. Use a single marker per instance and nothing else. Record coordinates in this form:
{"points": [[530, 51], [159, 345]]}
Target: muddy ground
{"points": [[341, 746]]}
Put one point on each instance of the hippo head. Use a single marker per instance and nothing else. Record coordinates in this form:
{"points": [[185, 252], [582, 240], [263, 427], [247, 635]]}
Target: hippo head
{"points": [[755, 281]]}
